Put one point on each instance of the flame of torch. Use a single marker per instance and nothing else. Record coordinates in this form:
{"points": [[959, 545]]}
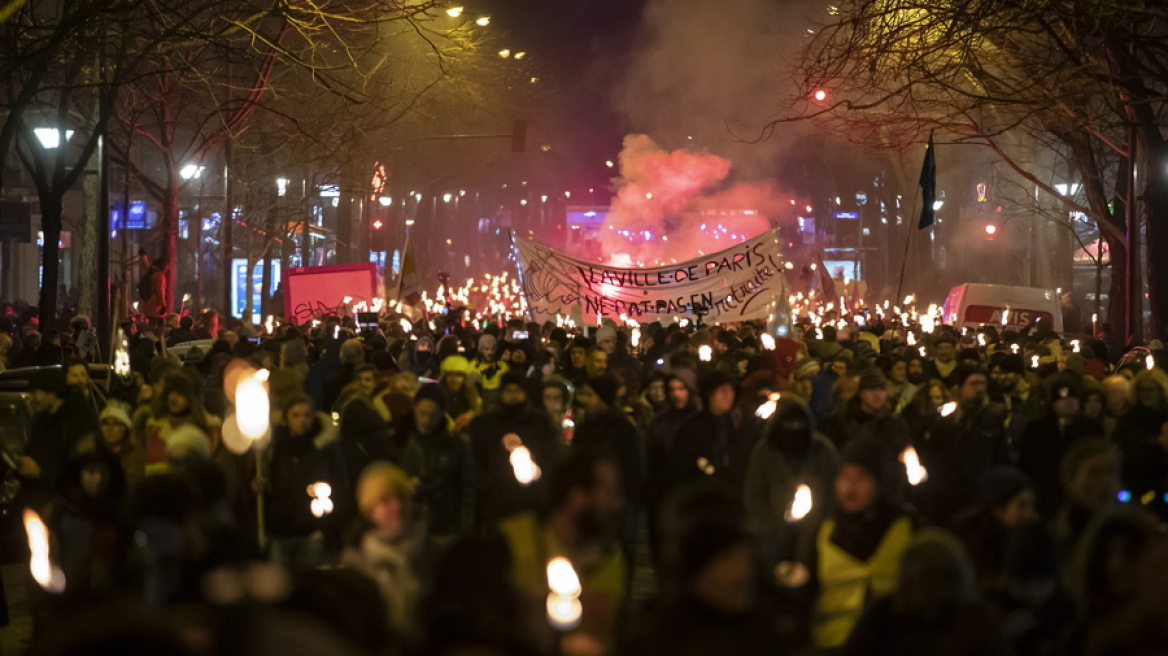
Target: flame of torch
{"points": [[768, 342], [122, 358], [563, 603], [912, 467], [44, 572], [1075, 345], [1150, 362], [253, 409], [947, 409], [635, 338], [705, 353], [801, 504], [526, 471], [1034, 362], [1013, 348], [406, 325], [767, 409], [322, 503]]}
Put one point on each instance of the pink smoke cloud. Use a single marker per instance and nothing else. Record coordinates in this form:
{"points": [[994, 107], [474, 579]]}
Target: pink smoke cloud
{"points": [[671, 206]]}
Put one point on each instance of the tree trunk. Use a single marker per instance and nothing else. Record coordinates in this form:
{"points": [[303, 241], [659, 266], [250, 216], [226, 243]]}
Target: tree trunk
{"points": [[170, 243], [1117, 314], [88, 278], [1156, 207], [50, 254]]}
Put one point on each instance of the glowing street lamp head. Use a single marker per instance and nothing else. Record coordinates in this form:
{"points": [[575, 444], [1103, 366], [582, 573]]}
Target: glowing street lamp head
{"points": [[820, 95], [505, 53], [483, 21], [991, 229], [454, 12]]}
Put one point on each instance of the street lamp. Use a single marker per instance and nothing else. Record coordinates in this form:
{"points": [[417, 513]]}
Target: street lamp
{"points": [[50, 138], [191, 171], [483, 21], [454, 12]]}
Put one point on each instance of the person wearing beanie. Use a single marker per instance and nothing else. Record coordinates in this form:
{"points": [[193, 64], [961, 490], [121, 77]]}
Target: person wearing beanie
{"points": [[443, 468], [389, 548], [576, 367], [489, 369], [944, 352], [957, 446], [1025, 402], [494, 435], [115, 430], [793, 453], [1046, 441], [716, 444], [463, 402], [857, 550], [868, 414], [61, 419]]}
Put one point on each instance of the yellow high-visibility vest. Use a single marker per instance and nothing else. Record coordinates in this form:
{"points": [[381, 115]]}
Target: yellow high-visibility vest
{"points": [[846, 583]]}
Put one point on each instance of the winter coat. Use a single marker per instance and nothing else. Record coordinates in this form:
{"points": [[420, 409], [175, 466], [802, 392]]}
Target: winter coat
{"points": [[955, 451], [659, 441], [715, 447], [611, 431], [497, 493], [296, 462], [445, 473], [1040, 456]]}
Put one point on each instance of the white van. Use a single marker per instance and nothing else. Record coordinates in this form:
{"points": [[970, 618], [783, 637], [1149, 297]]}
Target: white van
{"points": [[1003, 306]]}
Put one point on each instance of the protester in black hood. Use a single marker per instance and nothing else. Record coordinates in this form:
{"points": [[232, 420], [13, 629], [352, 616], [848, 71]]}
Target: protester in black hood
{"points": [[61, 420], [445, 472], [868, 414], [605, 427], [660, 435], [493, 437], [793, 454], [717, 442]]}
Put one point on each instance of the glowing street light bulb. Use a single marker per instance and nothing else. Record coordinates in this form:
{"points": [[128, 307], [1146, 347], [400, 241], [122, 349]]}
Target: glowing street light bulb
{"points": [[454, 12], [916, 473], [505, 53], [801, 503], [483, 21], [820, 95]]}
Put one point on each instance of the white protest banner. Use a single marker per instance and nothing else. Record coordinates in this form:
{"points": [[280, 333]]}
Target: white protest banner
{"points": [[738, 284]]}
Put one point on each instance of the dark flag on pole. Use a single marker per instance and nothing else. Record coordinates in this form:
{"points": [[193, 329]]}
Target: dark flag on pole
{"points": [[928, 186]]}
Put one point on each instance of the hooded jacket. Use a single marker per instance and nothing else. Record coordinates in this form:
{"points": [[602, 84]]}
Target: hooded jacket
{"points": [[787, 458], [298, 461]]}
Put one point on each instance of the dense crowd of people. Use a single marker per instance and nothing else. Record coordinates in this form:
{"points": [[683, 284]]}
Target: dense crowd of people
{"points": [[516, 488]]}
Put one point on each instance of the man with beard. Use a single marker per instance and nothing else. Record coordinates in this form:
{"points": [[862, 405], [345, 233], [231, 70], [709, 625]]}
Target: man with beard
{"points": [[868, 414], [958, 447], [944, 350], [60, 421], [1023, 400], [581, 524], [444, 472], [493, 438], [792, 454]]}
